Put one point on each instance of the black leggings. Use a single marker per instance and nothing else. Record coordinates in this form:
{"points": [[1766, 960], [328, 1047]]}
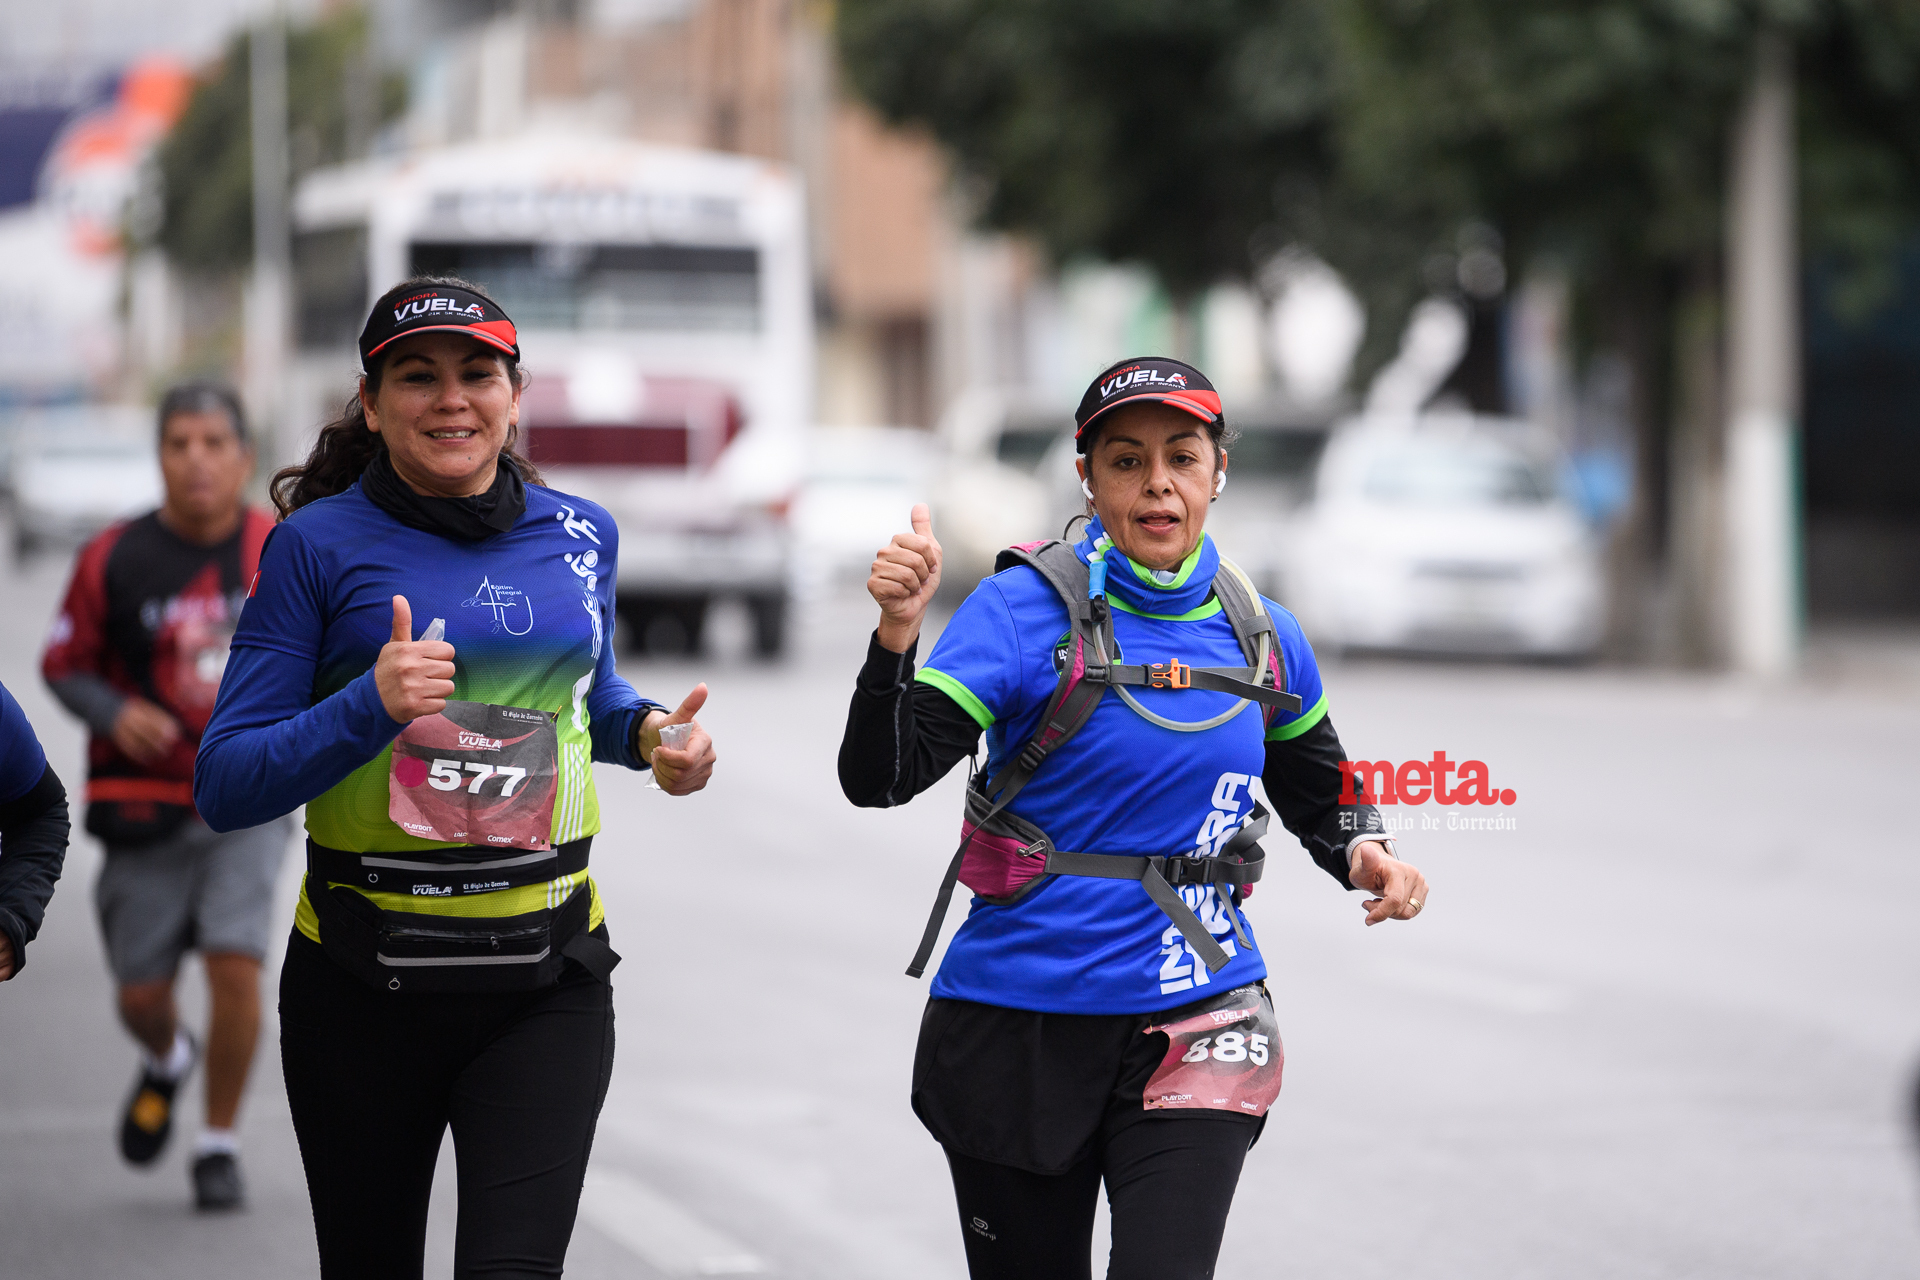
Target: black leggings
{"points": [[374, 1079], [1169, 1183]]}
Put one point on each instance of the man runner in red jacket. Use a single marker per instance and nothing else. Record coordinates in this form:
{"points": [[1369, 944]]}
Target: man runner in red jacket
{"points": [[137, 652]]}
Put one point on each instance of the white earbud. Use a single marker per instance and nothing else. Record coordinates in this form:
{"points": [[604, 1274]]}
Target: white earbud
{"points": [[1219, 484], [1086, 489]]}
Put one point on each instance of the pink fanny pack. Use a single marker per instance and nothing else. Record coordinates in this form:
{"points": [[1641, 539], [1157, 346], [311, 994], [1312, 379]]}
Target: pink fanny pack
{"points": [[1003, 859]]}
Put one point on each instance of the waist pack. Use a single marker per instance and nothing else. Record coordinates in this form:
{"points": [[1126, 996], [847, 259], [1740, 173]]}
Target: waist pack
{"points": [[1003, 857], [418, 952]]}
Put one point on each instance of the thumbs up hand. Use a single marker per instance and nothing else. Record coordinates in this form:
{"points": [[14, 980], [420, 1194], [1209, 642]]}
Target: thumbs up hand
{"points": [[681, 770], [415, 677], [906, 573]]}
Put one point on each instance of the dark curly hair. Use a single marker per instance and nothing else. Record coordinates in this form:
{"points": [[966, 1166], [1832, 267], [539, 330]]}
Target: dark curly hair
{"points": [[346, 445]]}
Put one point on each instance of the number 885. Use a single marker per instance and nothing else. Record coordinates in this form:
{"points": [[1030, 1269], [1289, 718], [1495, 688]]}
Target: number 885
{"points": [[1228, 1046]]}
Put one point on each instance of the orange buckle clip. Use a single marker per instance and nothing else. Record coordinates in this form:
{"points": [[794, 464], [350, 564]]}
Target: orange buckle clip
{"points": [[1170, 675]]}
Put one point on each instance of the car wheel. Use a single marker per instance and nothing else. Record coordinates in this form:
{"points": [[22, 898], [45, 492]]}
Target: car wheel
{"points": [[769, 625]]}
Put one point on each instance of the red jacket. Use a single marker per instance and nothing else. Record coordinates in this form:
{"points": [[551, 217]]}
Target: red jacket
{"points": [[150, 614]]}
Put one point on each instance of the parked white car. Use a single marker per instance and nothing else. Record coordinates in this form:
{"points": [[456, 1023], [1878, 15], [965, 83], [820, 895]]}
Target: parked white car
{"points": [[1446, 532], [77, 471], [1005, 476], [1270, 469], [860, 487]]}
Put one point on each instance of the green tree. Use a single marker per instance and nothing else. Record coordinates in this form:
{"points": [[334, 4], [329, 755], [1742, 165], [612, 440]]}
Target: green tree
{"points": [[1597, 134], [1597, 137], [1197, 135], [1132, 130], [206, 162]]}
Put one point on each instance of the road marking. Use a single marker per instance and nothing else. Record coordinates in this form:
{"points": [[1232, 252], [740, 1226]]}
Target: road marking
{"points": [[666, 1236], [1491, 991]]}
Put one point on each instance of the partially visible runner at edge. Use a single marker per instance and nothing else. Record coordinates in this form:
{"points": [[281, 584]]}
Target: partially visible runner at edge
{"points": [[33, 835], [137, 652], [1074, 1033], [449, 964]]}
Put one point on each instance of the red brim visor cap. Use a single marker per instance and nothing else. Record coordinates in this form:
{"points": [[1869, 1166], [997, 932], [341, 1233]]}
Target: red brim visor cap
{"points": [[437, 309], [1158, 378]]}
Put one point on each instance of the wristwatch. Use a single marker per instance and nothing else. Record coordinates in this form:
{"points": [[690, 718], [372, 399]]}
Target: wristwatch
{"points": [[1354, 844]]}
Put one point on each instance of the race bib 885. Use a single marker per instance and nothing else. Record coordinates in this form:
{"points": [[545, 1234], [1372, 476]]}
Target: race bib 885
{"points": [[1223, 1054]]}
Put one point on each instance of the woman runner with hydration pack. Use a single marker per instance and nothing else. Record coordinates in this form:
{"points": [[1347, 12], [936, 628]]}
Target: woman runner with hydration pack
{"points": [[1102, 1013], [448, 965]]}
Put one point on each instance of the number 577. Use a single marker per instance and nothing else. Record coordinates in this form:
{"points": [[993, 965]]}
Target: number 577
{"points": [[445, 776]]}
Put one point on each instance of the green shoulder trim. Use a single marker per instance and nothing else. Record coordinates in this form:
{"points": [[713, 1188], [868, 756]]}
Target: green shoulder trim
{"points": [[1179, 579], [1312, 716], [1207, 610], [958, 692]]}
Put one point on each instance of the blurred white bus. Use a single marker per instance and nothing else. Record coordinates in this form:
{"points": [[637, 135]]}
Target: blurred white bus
{"points": [[662, 301]]}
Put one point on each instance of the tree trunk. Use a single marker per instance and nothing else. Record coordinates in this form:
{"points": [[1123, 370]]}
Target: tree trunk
{"points": [[1762, 560], [1636, 320], [1695, 546]]}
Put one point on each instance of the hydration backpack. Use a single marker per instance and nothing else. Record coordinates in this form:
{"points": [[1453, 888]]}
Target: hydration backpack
{"points": [[1003, 857]]}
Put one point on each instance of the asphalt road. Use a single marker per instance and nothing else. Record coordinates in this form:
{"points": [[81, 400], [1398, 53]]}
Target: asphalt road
{"points": [[1663, 1027]]}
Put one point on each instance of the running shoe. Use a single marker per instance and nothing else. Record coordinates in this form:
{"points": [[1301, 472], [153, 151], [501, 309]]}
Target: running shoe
{"points": [[216, 1182], [147, 1122]]}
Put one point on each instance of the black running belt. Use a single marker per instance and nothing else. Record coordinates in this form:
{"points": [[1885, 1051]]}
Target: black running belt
{"points": [[454, 871]]}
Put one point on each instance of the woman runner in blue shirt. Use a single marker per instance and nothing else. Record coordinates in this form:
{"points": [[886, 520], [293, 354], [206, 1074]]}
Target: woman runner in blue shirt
{"points": [[426, 663], [1102, 1013]]}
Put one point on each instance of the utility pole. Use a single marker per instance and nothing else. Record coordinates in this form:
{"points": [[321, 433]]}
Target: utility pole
{"points": [[268, 297], [1764, 587]]}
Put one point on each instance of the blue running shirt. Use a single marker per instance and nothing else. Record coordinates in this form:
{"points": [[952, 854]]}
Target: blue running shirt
{"points": [[527, 612], [1122, 785], [21, 759]]}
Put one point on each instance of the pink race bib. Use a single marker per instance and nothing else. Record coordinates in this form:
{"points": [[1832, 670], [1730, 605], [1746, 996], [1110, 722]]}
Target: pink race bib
{"points": [[477, 774], [1223, 1054]]}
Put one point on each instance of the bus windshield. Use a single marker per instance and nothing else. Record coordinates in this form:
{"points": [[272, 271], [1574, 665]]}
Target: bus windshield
{"points": [[684, 288]]}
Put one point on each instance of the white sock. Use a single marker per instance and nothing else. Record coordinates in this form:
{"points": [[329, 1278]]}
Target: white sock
{"points": [[179, 1059], [216, 1142]]}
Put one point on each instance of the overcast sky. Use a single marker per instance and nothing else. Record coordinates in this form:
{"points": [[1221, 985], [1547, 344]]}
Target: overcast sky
{"points": [[40, 35], [34, 33]]}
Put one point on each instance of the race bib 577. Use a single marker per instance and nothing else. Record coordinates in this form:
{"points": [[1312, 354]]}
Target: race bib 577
{"points": [[477, 774]]}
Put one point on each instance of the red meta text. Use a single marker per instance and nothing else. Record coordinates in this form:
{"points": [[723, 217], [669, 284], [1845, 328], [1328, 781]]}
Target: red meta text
{"points": [[1412, 781]]}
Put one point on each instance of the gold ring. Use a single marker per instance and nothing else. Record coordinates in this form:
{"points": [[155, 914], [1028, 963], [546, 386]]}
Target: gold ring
{"points": [[1414, 903]]}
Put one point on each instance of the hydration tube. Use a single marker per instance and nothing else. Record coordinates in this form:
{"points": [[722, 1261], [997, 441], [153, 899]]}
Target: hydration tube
{"points": [[1097, 587], [1097, 568]]}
